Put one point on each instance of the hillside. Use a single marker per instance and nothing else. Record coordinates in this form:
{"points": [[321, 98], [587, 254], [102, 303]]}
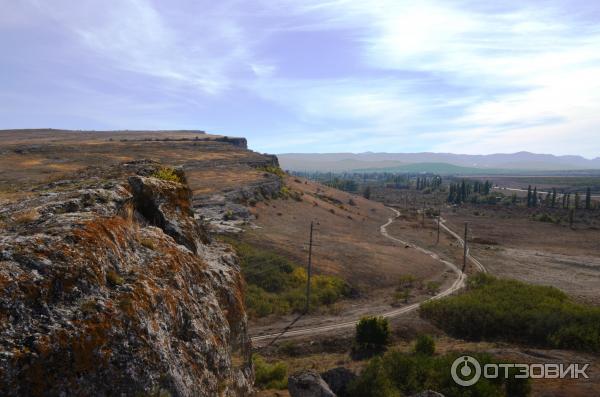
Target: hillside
{"points": [[515, 162]]}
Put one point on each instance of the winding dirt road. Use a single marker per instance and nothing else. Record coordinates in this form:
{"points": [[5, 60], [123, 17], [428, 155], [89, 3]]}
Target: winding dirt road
{"points": [[456, 285]]}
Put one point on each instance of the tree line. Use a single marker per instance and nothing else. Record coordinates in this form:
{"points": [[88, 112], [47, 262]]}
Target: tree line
{"points": [[552, 201], [464, 191]]}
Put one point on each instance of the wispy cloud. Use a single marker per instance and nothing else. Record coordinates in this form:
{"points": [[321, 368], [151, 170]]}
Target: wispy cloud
{"points": [[313, 75]]}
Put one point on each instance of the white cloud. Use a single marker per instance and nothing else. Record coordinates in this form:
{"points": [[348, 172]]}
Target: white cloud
{"points": [[133, 35], [528, 65]]}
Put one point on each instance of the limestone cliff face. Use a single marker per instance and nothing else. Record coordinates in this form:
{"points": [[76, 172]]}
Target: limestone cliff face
{"points": [[108, 286]]}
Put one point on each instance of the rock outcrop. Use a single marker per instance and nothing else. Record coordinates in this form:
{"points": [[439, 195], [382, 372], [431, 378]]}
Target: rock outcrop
{"points": [[108, 286], [338, 380], [308, 384]]}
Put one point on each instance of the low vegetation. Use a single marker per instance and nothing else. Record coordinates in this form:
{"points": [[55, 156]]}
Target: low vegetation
{"points": [[396, 374], [276, 285], [425, 345], [273, 170], [510, 310], [167, 174], [269, 375]]}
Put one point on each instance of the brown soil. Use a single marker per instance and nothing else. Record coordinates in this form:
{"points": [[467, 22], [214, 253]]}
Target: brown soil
{"points": [[533, 251]]}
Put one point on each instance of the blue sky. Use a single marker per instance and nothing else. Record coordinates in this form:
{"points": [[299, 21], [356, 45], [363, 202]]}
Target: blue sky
{"points": [[312, 76]]}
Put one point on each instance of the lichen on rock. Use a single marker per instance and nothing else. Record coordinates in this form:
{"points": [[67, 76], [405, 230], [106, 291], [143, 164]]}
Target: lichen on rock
{"points": [[113, 288]]}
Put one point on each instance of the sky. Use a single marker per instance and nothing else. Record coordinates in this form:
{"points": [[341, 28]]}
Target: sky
{"points": [[471, 77]]}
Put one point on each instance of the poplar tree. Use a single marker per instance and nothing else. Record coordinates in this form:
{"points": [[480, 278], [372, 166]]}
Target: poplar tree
{"points": [[588, 199], [529, 196], [534, 199], [553, 204]]}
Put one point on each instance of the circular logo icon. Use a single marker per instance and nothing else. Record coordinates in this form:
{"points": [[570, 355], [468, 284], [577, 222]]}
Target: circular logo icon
{"points": [[466, 371]]}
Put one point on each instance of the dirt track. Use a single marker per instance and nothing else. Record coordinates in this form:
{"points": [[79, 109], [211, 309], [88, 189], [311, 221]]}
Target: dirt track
{"points": [[457, 284]]}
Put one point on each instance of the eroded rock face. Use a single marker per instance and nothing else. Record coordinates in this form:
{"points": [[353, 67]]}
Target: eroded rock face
{"points": [[110, 287]]}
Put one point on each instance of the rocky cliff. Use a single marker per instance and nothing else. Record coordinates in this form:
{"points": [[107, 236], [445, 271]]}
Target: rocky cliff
{"points": [[109, 286]]}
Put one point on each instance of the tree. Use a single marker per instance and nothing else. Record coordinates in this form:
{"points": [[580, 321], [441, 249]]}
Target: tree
{"points": [[372, 333], [577, 200], [529, 196], [588, 199], [367, 192], [463, 191], [564, 201], [534, 199], [553, 203]]}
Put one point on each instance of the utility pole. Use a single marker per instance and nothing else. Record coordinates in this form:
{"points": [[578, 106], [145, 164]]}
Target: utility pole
{"points": [[437, 241], [309, 270], [465, 246]]}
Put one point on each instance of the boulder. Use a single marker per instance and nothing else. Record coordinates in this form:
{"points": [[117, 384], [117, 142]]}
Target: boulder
{"points": [[308, 384], [338, 379]]}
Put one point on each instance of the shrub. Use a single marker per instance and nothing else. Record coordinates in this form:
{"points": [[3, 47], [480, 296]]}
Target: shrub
{"points": [[401, 296], [432, 287], [398, 373], [273, 170], [269, 376], [425, 345], [406, 281], [372, 334], [373, 382], [511, 310], [167, 174]]}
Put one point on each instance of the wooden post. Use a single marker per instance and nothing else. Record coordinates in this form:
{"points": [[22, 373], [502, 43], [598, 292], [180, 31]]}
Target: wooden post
{"points": [[465, 247], [309, 270]]}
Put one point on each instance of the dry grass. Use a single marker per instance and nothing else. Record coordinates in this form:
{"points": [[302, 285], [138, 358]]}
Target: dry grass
{"points": [[348, 237], [25, 217]]}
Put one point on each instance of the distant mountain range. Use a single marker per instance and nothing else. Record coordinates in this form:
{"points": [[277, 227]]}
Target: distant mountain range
{"points": [[443, 163]]}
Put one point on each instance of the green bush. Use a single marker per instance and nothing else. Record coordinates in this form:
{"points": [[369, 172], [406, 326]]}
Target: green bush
{"points": [[269, 376], [374, 381], [397, 374], [372, 334], [510, 310], [425, 345]]}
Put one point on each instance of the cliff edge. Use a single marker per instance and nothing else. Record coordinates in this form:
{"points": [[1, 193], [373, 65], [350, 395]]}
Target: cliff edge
{"points": [[109, 286]]}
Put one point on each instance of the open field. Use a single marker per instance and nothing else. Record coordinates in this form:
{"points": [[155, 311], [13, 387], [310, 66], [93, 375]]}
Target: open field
{"points": [[536, 252], [213, 163]]}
